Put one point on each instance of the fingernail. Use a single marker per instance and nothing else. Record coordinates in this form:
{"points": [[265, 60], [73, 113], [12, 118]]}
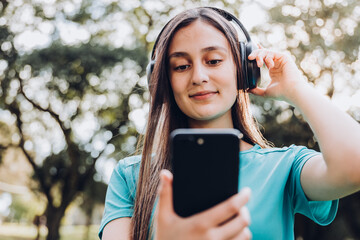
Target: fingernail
{"points": [[165, 173], [244, 211], [246, 191], [247, 233]]}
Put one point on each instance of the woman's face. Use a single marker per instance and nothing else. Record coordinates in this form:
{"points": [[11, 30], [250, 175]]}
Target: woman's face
{"points": [[203, 75]]}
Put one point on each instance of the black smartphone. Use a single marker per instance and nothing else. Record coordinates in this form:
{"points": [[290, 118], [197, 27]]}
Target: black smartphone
{"points": [[205, 164]]}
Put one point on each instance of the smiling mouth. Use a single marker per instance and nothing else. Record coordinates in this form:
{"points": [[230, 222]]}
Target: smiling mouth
{"points": [[203, 95]]}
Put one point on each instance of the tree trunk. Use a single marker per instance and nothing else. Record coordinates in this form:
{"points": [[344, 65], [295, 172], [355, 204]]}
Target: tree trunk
{"points": [[88, 225], [88, 210], [53, 220]]}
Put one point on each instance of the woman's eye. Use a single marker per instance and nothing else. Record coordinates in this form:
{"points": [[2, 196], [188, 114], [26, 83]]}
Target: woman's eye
{"points": [[214, 62], [181, 67]]}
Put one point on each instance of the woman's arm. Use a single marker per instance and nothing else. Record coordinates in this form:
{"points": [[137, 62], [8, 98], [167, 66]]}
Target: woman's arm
{"points": [[336, 173], [117, 229]]}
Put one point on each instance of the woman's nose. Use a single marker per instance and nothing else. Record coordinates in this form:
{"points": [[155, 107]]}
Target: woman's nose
{"points": [[199, 74]]}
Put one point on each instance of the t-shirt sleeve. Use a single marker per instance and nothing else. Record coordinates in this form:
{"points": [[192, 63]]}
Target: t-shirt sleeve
{"points": [[119, 201], [321, 212]]}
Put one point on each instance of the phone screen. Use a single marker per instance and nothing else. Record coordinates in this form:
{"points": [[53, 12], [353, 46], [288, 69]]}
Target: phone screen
{"points": [[205, 165]]}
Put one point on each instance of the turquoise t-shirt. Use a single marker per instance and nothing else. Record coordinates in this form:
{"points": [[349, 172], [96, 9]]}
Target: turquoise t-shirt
{"points": [[272, 174]]}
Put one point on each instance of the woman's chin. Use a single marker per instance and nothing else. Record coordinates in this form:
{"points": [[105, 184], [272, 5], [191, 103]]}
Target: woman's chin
{"points": [[213, 120]]}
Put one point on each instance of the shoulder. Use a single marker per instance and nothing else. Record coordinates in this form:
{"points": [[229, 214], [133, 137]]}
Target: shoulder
{"points": [[129, 162], [288, 153], [127, 168], [273, 150]]}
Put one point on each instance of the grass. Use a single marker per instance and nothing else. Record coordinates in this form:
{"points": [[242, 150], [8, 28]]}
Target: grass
{"points": [[11, 231]]}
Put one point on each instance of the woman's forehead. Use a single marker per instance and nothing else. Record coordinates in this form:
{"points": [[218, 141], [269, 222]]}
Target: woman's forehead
{"points": [[198, 35]]}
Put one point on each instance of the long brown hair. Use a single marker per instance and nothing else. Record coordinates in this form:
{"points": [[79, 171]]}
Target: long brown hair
{"points": [[165, 116]]}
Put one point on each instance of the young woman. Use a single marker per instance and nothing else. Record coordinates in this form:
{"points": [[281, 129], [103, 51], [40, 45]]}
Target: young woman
{"points": [[197, 83]]}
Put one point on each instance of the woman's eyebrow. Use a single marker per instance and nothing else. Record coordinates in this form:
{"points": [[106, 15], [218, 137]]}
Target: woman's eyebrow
{"points": [[203, 50], [214, 48], [178, 54]]}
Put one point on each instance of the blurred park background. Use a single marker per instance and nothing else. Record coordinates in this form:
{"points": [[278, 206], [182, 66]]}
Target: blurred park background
{"points": [[73, 99]]}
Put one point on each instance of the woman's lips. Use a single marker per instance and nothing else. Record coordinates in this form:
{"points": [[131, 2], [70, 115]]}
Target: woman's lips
{"points": [[203, 95]]}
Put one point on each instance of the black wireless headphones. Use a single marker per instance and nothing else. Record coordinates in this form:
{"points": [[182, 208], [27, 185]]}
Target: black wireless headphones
{"points": [[250, 70]]}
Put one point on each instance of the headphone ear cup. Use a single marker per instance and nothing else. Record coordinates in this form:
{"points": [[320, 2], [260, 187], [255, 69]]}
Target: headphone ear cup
{"points": [[252, 70], [149, 70], [244, 84]]}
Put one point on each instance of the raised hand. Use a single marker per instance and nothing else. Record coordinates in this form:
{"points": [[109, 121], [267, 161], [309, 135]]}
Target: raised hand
{"points": [[284, 74]]}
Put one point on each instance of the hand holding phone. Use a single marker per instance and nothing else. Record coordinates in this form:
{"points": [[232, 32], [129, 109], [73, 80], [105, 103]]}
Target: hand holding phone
{"points": [[228, 220]]}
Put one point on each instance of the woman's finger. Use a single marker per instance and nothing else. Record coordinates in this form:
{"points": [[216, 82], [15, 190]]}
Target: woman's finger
{"points": [[253, 54], [262, 56], [225, 210], [235, 226], [244, 235], [165, 202], [258, 91], [269, 60]]}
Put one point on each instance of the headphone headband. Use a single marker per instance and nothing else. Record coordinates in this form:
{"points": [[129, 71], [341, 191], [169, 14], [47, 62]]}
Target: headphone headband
{"points": [[230, 17]]}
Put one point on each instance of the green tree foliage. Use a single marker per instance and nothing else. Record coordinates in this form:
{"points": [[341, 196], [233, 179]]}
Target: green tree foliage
{"points": [[71, 105]]}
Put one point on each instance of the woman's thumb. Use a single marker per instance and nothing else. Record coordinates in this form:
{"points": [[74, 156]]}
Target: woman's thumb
{"points": [[165, 192]]}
